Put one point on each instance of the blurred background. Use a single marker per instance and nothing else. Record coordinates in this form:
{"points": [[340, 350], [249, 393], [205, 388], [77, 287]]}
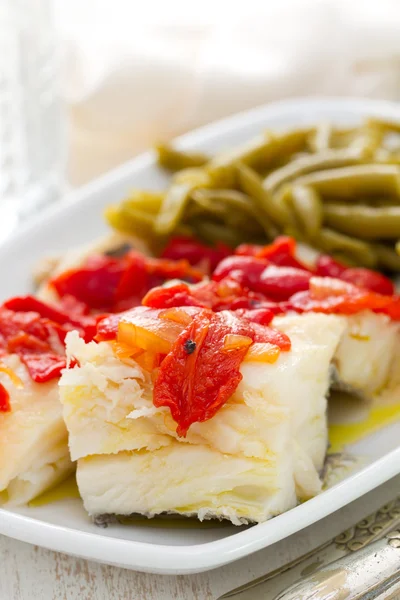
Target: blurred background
{"points": [[87, 85], [137, 72]]}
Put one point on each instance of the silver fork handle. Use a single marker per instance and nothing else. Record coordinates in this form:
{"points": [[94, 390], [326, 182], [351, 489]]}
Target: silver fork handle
{"points": [[369, 573]]}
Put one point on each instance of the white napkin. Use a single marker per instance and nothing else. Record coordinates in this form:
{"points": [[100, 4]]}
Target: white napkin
{"points": [[139, 74]]}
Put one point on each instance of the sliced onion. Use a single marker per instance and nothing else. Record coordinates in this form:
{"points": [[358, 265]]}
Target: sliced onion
{"points": [[149, 333], [12, 375], [262, 352], [233, 341]]}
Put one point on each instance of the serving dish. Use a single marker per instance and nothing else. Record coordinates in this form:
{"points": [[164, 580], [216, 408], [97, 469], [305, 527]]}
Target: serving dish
{"points": [[63, 525]]}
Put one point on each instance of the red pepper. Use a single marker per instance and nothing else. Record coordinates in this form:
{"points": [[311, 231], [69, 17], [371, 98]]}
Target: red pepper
{"points": [[369, 280], [280, 283], [244, 269], [335, 296], [198, 377], [108, 327], [114, 284], [282, 252], [326, 266], [43, 367], [263, 316], [93, 283], [196, 253], [35, 331], [363, 278], [4, 399]]}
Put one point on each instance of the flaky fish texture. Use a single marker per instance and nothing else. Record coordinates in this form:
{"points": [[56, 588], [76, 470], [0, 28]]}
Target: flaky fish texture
{"points": [[33, 439], [257, 457]]}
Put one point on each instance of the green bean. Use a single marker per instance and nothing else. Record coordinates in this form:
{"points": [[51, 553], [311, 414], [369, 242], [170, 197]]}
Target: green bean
{"points": [[211, 232], [173, 207], [336, 189], [307, 207], [222, 176], [327, 159], [361, 180], [234, 208], [265, 150], [251, 183], [174, 160], [234, 213], [342, 137], [346, 260], [320, 139], [253, 152], [129, 220], [332, 241], [385, 156], [388, 257], [196, 176], [229, 199], [365, 222], [150, 202], [386, 125]]}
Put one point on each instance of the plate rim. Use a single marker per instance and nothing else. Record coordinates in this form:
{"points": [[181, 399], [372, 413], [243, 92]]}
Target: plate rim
{"points": [[163, 558]]}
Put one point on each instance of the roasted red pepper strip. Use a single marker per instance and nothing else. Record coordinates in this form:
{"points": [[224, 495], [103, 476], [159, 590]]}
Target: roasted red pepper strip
{"points": [[363, 278], [198, 377], [196, 253], [115, 284], [35, 331], [282, 252], [326, 266], [224, 295], [4, 399], [329, 296], [244, 269], [369, 280]]}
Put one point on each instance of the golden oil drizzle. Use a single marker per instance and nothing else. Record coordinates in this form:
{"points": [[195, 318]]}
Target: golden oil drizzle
{"points": [[64, 490], [352, 419]]}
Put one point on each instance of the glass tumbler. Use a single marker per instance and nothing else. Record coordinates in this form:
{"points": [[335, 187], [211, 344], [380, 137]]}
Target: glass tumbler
{"points": [[32, 135]]}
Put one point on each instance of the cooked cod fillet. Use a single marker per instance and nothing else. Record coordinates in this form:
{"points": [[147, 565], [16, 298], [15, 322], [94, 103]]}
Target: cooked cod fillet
{"points": [[368, 352], [257, 457], [365, 360], [33, 439]]}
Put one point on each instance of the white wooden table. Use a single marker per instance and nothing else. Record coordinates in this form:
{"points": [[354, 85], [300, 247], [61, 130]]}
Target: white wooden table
{"points": [[29, 572]]}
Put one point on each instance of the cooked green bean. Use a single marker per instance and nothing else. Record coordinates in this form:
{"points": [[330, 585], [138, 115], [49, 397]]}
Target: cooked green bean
{"points": [[173, 207], [211, 233], [196, 177], [150, 202], [320, 139], [130, 220], [345, 259], [360, 180], [336, 189], [329, 240], [327, 159], [307, 207], [388, 257], [174, 160], [232, 207], [265, 150], [251, 153], [222, 176], [251, 183], [365, 222], [385, 125]]}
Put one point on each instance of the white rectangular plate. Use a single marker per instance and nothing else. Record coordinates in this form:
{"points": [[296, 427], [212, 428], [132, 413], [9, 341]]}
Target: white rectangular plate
{"points": [[64, 525]]}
